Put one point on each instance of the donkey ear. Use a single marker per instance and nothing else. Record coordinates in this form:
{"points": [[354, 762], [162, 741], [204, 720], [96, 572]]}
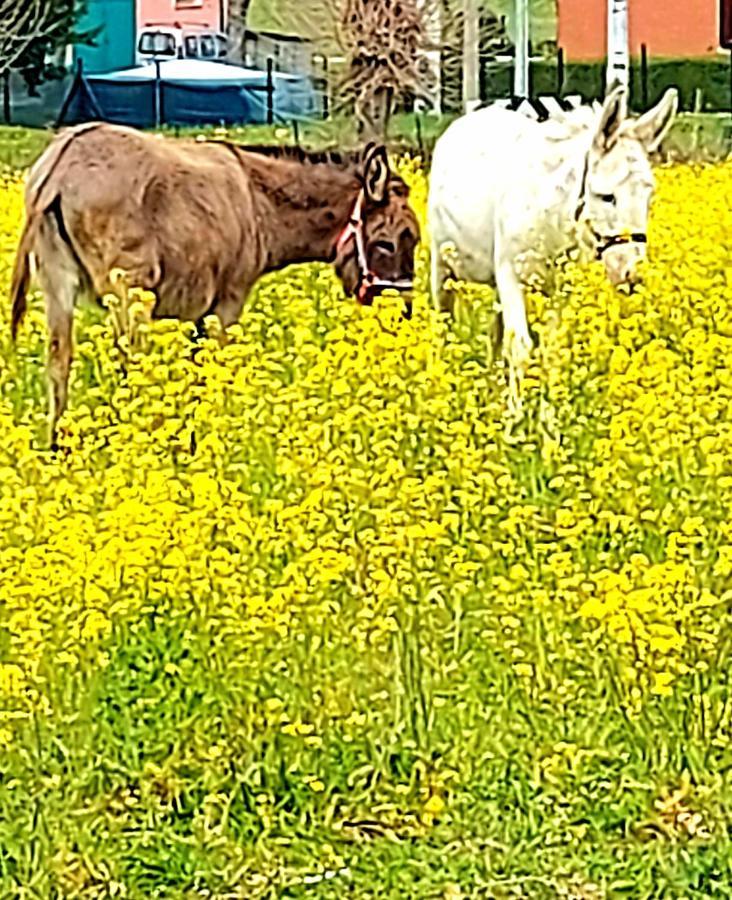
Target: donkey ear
{"points": [[376, 174], [614, 111], [651, 128]]}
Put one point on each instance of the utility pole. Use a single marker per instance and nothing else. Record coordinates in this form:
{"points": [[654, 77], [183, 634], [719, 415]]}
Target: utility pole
{"points": [[521, 59], [618, 50], [432, 21], [471, 56]]}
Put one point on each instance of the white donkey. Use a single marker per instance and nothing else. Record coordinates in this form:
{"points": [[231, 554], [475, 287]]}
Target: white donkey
{"points": [[504, 188]]}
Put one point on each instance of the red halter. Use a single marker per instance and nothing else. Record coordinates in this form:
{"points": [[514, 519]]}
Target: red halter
{"points": [[367, 280]]}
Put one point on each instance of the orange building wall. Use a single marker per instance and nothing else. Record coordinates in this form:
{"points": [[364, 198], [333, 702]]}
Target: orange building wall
{"points": [[667, 27]]}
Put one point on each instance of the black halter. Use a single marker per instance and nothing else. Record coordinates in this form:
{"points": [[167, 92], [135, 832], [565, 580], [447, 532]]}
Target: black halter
{"points": [[604, 242]]}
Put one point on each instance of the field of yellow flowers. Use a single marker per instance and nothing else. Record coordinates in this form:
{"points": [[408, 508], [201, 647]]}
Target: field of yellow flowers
{"points": [[304, 615]]}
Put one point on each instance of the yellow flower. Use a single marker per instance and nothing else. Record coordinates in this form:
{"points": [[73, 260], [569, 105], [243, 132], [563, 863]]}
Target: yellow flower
{"points": [[662, 683], [329, 457], [435, 805]]}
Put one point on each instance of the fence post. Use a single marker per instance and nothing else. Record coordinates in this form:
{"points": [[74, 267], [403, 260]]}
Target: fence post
{"points": [[157, 96], [6, 97], [560, 71], [644, 76], [76, 85], [270, 92], [326, 88], [418, 131]]}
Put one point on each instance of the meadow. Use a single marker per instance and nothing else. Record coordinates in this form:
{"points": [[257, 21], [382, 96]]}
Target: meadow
{"points": [[304, 616]]}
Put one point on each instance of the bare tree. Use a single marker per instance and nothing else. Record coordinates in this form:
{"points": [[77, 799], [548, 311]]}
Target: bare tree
{"points": [[383, 41], [465, 41], [238, 12], [384, 52], [22, 23]]}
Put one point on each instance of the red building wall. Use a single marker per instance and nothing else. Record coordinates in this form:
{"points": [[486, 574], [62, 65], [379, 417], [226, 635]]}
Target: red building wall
{"points": [[203, 13], [669, 28]]}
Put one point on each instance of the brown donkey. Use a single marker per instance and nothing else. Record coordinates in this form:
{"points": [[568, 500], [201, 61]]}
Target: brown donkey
{"points": [[197, 223]]}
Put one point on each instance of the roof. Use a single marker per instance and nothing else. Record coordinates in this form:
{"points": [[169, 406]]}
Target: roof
{"points": [[312, 20], [192, 70], [275, 36]]}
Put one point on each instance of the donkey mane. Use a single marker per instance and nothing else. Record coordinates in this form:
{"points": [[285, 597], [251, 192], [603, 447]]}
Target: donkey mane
{"points": [[564, 126], [343, 160]]}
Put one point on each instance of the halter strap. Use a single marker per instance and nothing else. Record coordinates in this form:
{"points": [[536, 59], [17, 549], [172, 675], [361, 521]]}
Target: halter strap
{"points": [[367, 280], [612, 240], [583, 188], [354, 229]]}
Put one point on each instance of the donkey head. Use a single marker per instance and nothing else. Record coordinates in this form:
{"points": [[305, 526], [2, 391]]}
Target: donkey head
{"points": [[618, 184], [375, 251]]}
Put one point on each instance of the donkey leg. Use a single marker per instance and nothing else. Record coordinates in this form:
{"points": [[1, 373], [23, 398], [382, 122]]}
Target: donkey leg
{"points": [[443, 298], [517, 343], [61, 281], [496, 334], [229, 306]]}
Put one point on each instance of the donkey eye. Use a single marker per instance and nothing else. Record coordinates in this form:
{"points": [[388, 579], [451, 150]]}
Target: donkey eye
{"points": [[608, 198]]}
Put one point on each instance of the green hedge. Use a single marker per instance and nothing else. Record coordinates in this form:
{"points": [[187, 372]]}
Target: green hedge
{"points": [[588, 80]]}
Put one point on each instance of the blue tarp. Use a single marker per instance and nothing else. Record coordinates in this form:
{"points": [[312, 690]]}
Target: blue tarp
{"points": [[190, 92]]}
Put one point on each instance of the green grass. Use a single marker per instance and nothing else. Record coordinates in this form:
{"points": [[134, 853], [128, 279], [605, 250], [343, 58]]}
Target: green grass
{"points": [[19, 147], [703, 135], [162, 772]]}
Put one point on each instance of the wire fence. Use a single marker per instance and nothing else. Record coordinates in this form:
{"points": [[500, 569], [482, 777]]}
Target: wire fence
{"points": [[704, 86]]}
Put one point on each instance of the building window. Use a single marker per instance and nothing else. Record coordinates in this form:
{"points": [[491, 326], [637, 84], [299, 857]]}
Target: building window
{"points": [[208, 46], [157, 43]]}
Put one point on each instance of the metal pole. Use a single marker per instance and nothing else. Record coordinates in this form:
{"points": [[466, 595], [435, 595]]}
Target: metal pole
{"points": [[430, 52], [618, 52], [471, 81], [6, 97], [521, 61], [560, 71], [644, 77], [156, 94], [270, 91], [326, 88]]}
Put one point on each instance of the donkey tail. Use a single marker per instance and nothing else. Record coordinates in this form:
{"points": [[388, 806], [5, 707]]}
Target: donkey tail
{"points": [[41, 191], [21, 275]]}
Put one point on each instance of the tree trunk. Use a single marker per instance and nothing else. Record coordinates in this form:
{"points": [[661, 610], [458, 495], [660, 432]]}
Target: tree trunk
{"points": [[373, 113], [237, 26], [618, 53]]}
